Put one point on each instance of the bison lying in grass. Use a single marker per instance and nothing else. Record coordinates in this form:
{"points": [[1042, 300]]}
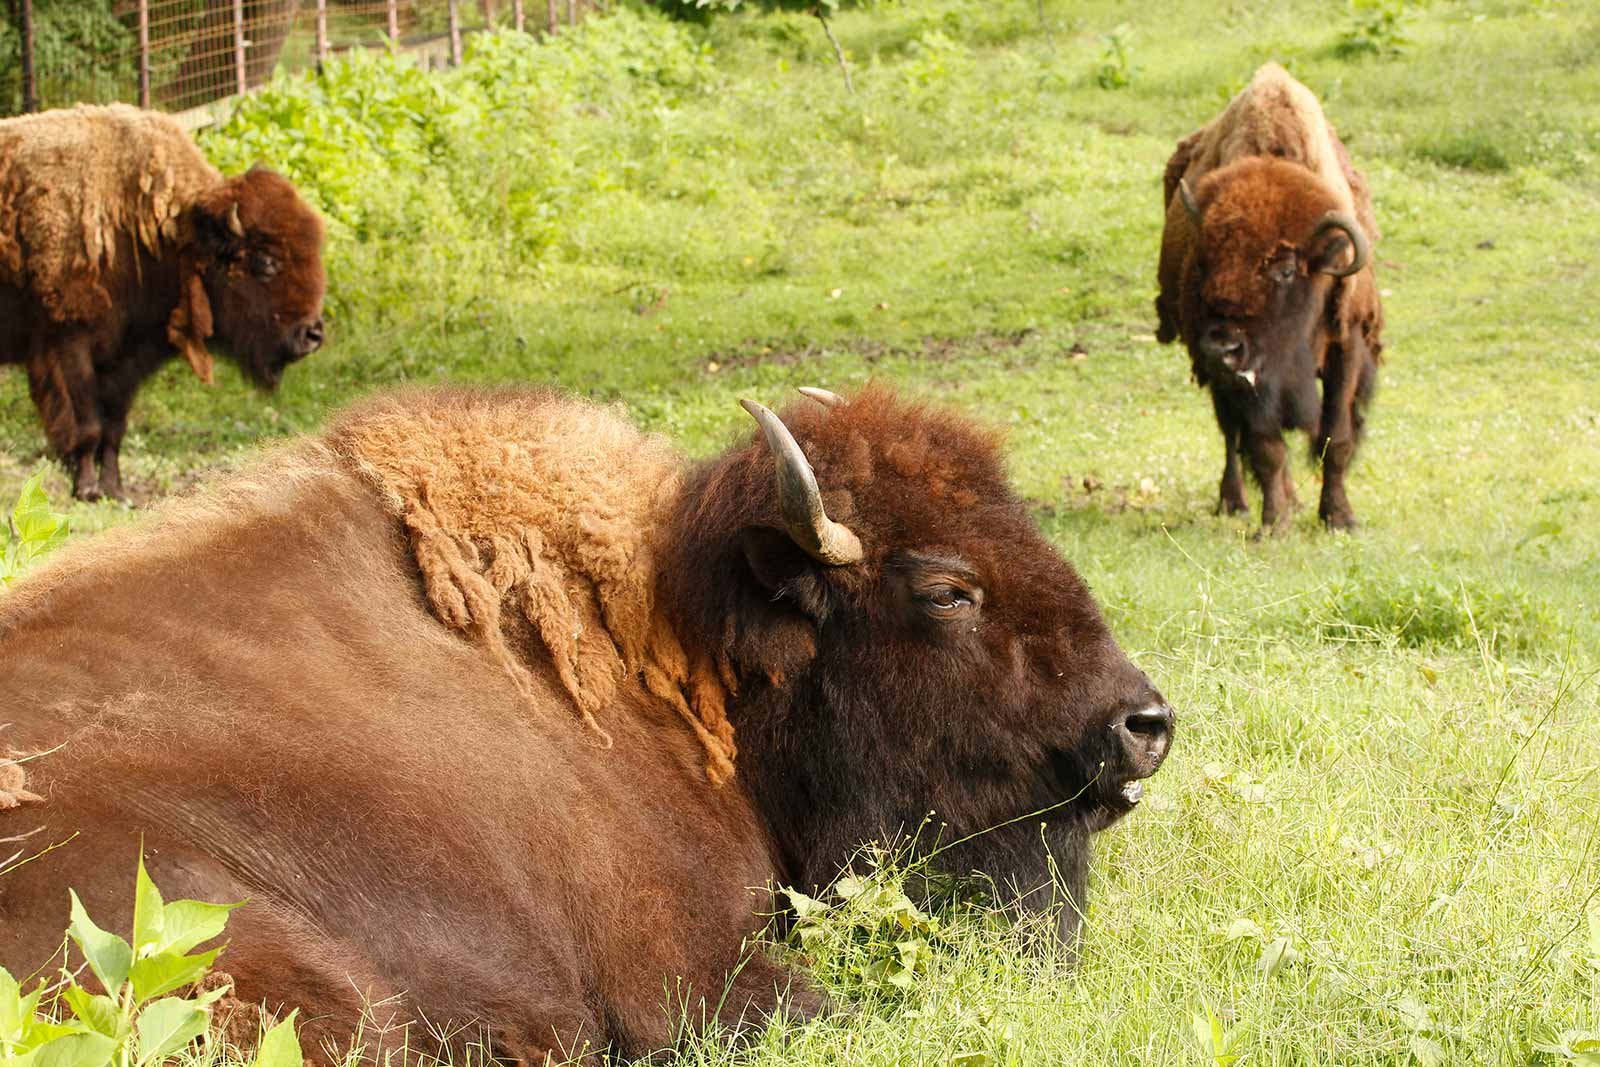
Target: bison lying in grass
{"points": [[1266, 274], [120, 247], [498, 711]]}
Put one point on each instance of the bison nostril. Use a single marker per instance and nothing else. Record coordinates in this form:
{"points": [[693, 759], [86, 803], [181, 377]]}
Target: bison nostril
{"points": [[1147, 733], [311, 336]]}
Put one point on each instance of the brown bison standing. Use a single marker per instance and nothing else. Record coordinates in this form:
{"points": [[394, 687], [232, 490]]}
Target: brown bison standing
{"points": [[451, 695], [120, 246], [1266, 275]]}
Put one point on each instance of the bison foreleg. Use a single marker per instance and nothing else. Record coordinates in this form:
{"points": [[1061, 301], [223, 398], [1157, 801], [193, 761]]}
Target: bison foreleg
{"points": [[61, 382], [1269, 459], [1231, 499], [1346, 375]]}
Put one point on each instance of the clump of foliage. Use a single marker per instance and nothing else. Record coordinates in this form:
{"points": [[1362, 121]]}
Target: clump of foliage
{"points": [[138, 1021], [490, 155], [31, 530], [864, 934], [1375, 28], [1117, 68]]}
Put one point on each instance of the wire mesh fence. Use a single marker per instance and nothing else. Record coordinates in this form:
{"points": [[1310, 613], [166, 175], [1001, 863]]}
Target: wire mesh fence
{"points": [[179, 54]]}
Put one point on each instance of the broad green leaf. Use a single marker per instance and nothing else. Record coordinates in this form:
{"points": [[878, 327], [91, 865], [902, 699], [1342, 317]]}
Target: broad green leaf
{"points": [[1594, 934], [97, 1012], [12, 1009], [109, 956], [76, 1050], [1278, 954], [804, 907], [186, 923], [1245, 929], [147, 912], [971, 1059], [1429, 1053], [1416, 1016], [167, 1025], [849, 887], [162, 974], [280, 1047]]}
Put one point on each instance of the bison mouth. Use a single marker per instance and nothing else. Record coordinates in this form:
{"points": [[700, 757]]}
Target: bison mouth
{"points": [[1098, 794]]}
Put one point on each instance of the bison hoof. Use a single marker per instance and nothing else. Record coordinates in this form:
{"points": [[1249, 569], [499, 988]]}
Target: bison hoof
{"points": [[1232, 507], [1340, 520], [87, 494]]}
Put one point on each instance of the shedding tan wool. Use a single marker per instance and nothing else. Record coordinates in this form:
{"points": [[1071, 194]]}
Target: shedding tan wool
{"points": [[73, 184], [549, 507], [13, 783]]}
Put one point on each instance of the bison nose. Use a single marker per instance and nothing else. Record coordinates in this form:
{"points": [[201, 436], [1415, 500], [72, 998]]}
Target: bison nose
{"points": [[310, 338], [1146, 735], [1224, 343]]}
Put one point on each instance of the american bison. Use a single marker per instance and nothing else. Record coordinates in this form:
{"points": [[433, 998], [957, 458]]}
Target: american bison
{"points": [[1266, 274], [498, 711], [120, 246]]}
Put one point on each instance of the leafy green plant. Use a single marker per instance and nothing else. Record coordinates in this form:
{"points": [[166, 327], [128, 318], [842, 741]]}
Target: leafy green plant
{"points": [[1375, 28], [136, 1022], [80, 52], [1117, 69], [31, 530], [865, 933]]}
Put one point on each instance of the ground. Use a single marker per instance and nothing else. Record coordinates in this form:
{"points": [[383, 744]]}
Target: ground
{"points": [[1376, 839]]}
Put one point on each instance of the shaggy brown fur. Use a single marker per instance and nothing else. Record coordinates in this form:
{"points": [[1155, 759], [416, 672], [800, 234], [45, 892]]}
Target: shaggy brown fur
{"points": [[555, 508], [347, 686], [121, 246], [1263, 174]]}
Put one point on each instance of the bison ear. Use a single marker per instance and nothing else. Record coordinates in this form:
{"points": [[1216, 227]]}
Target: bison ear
{"points": [[784, 570]]}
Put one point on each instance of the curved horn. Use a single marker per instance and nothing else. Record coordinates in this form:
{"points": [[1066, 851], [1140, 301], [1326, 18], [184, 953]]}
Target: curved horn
{"points": [[822, 396], [1341, 220], [799, 498], [1187, 196], [234, 225]]}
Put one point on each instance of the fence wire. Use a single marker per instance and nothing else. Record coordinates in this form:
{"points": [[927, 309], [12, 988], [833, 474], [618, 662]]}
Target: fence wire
{"points": [[180, 54]]}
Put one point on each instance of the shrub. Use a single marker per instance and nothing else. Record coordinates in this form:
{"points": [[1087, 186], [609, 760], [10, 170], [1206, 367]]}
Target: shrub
{"points": [[31, 530], [137, 1022]]}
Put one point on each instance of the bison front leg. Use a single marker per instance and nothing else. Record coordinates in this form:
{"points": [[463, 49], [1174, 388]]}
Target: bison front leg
{"points": [[61, 383], [1231, 499], [1346, 381], [1269, 459]]}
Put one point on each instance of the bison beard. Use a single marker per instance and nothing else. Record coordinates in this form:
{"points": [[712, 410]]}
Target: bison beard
{"points": [[1266, 275], [450, 696]]}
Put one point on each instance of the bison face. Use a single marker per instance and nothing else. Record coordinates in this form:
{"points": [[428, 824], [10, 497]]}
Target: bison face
{"points": [[1272, 243], [265, 280], [913, 658]]}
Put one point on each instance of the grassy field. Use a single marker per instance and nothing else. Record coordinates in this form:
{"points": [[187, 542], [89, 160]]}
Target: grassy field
{"points": [[1376, 840]]}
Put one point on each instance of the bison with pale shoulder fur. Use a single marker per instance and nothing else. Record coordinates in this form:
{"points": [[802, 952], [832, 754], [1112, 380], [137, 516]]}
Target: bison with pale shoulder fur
{"points": [[1266, 275], [499, 712], [121, 247]]}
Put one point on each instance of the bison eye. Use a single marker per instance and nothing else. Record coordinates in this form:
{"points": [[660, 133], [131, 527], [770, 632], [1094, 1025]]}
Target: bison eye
{"points": [[263, 266], [946, 600], [1283, 272]]}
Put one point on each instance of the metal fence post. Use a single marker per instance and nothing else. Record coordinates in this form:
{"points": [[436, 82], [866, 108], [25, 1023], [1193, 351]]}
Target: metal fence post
{"points": [[144, 53], [551, 19], [322, 32], [517, 21], [455, 31], [30, 89], [394, 22], [238, 46]]}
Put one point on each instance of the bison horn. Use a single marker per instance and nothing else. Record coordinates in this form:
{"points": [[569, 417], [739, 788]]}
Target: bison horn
{"points": [[822, 396], [1187, 196], [799, 499], [1341, 220], [234, 225]]}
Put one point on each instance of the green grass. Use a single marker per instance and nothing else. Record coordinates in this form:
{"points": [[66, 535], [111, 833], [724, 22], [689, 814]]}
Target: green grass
{"points": [[1389, 751]]}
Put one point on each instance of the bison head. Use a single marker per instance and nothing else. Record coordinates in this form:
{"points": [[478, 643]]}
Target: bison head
{"points": [[910, 655], [1273, 240], [262, 246]]}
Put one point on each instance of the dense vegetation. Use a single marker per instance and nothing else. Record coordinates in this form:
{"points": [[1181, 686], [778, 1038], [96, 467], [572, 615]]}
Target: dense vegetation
{"points": [[1378, 839]]}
